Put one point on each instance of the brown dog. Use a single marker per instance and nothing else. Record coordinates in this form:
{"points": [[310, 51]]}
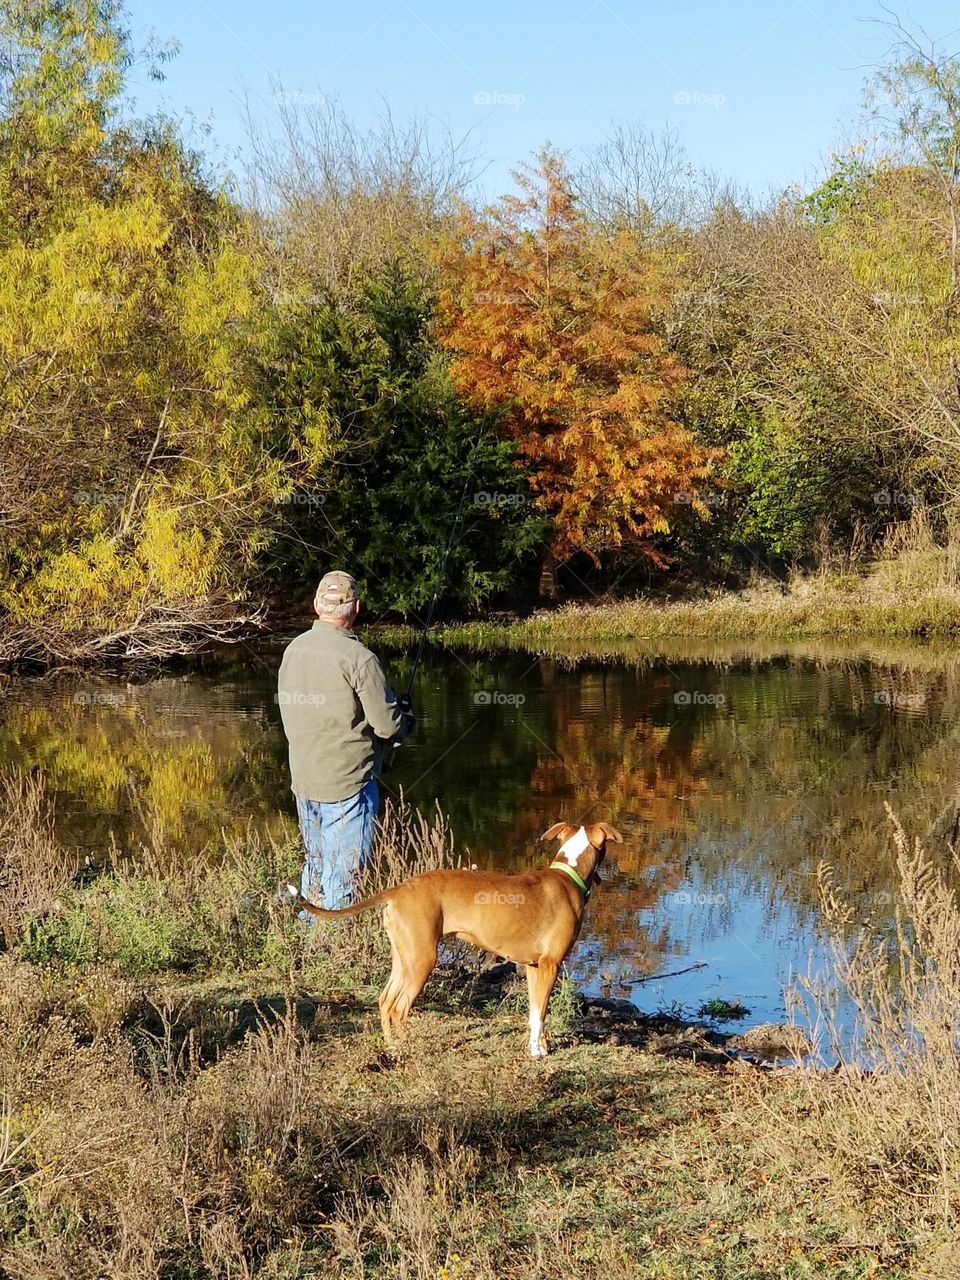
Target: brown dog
{"points": [[532, 918]]}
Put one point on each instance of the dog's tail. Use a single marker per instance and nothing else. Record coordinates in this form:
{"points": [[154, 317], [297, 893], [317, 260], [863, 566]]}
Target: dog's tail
{"points": [[297, 899]]}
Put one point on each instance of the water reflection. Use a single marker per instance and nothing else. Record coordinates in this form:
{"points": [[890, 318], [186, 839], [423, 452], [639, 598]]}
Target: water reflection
{"points": [[731, 773]]}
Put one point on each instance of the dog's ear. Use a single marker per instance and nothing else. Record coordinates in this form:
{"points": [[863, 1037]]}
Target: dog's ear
{"points": [[600, 832], [562, 831]]}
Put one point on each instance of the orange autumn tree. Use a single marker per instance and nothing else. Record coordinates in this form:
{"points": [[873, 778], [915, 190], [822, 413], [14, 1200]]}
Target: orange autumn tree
{"points": [[550, 323]]}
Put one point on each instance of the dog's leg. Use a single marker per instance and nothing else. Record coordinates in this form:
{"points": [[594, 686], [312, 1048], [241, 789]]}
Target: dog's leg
{"points": [[540, 983], [414, 956], [390, 992], [415, 979]]}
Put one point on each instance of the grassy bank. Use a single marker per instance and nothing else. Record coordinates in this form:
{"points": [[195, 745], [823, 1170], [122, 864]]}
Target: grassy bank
{"points": [[190, 1091], [914, 597]]}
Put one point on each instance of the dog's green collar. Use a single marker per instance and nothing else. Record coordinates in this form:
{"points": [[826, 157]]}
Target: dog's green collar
{"points": [[574, 876]]}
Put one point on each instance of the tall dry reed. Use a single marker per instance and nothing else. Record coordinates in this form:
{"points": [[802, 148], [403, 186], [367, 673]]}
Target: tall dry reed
{"points": [[888, 1013]]}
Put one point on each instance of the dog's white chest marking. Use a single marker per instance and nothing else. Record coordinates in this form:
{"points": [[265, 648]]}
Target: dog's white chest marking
{"points": [[572, 848]]}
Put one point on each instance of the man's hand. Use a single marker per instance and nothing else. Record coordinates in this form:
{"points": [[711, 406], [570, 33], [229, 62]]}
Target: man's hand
{"points": [[405, 703]]}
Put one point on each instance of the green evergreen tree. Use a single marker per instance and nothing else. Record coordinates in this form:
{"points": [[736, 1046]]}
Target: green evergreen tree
{"points": [[405, 451]]}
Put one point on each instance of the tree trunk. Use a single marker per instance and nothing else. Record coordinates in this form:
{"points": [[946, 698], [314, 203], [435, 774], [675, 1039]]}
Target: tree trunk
{"points": [[548, 574]]}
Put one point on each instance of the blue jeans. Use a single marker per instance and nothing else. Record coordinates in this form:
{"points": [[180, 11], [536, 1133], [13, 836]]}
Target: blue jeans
{"points": [[338, 839]]}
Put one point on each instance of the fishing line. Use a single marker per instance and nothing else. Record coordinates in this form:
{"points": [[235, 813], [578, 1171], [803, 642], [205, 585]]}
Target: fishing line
{"points": [[441, 577], [440, 580]]}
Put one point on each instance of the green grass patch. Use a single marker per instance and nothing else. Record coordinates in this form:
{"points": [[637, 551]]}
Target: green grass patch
{"points": [[723, 1010]]}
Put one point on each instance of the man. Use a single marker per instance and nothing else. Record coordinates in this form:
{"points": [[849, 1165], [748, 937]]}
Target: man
{"points": [[339, 714]]}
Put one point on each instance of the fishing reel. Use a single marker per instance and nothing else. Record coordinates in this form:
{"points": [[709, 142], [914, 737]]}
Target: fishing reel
{"points": [[405, 703]]}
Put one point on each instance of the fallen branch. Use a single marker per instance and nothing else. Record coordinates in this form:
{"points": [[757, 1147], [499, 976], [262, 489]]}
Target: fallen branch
{"points": [[158, 634], [653, 977]]}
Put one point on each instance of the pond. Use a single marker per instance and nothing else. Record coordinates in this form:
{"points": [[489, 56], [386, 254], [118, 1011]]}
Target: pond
{"points": [[731, 770]]}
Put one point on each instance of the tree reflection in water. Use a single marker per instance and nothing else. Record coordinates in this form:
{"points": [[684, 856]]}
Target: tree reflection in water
{"points": [[734, 792]]}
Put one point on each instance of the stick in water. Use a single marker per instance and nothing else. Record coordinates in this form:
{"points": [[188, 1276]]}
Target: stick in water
{"points": [[691, 968]]}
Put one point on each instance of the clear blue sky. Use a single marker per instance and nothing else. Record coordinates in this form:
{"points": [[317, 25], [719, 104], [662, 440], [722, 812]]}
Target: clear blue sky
{"points": [[771, 83]]}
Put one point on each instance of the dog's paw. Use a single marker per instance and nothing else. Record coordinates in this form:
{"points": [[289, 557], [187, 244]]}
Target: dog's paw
{"points": [[538, 1050]]}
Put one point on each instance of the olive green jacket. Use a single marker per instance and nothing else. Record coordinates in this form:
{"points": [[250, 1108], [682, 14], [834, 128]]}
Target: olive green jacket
{"points": [[338, 713]]}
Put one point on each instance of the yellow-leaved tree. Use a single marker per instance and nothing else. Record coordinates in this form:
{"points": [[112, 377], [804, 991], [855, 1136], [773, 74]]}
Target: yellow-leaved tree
{"points": [[137, 478]]}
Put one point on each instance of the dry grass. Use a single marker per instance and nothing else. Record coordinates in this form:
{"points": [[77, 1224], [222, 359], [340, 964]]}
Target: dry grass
{"points": [[240, 1118], [810, 606], [299, 1150], [35, 871], [886, 1121], [145, 912], [912, 589]]}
